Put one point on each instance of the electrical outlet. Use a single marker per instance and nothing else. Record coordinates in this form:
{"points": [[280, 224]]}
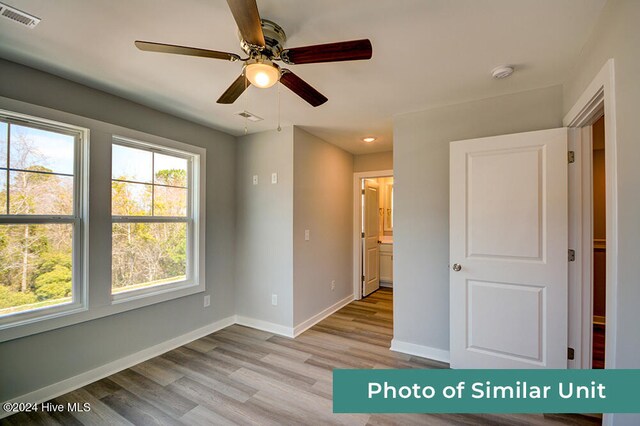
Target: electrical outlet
{"points": [[333, 285], [207, 300], [307, 235], [274, 299], [255, 179], [274, 178]]}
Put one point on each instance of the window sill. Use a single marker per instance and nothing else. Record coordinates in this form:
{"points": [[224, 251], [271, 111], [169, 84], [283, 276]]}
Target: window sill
{"points": [[79, 315]]}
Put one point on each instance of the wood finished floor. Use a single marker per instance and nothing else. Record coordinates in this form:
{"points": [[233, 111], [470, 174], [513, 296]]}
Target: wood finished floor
{"points": [[248, 377]]}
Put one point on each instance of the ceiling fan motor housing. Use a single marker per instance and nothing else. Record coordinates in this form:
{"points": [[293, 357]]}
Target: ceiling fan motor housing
{"points": [[274, 37]]}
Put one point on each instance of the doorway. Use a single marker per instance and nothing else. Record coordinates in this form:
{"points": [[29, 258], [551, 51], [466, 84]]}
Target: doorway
{"points": [[599, 265], [373, 232]]}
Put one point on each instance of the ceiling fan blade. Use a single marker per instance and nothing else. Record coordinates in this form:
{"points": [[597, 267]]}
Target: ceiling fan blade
{"points": [[149, 46], [302, 88], [247, 17], [234, 91], [354, 50]]}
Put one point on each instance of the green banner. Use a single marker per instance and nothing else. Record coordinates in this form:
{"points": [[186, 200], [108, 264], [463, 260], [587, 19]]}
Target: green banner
{"points": [[486, 391]]}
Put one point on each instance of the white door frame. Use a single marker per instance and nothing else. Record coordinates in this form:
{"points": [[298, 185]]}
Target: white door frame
{"points": [[357, 226], [600, 95]]}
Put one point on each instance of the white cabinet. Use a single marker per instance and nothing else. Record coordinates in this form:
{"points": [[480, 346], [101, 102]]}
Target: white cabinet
{"points": [[386, 264]]}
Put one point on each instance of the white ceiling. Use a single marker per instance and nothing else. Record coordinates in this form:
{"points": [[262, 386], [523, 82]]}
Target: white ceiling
{"points": [[425, 53]]}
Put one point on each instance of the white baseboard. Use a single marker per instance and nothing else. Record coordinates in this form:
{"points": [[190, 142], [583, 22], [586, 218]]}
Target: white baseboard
{"points": [[264, 326], [386, 285], [307, 324], [83, 379], [419, 350], [68, 385]]}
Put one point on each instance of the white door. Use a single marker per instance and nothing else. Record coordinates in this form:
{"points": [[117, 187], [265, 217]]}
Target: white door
{"points": [[508, 251], [370, 250]]}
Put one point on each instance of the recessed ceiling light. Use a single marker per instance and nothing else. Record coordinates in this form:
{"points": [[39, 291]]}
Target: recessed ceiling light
{"points": [[503, 71], [369, 139]]}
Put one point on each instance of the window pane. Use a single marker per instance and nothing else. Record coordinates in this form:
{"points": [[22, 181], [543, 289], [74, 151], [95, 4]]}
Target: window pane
{"points": [[131, 164], [35, 267], [35, 149], [3, 144], [148, 254], [3, 192], [40, 193], [130, 199], [169, 201], [170, 170]]}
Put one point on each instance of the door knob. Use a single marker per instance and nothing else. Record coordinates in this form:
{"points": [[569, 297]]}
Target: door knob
{"points": [[457, 267]]}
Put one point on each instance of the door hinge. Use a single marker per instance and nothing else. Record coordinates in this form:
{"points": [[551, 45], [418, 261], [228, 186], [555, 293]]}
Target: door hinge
{"points": [[363, 278], [363, 192], [571, 353], [572, 255], [572, 157], [363, 235]]}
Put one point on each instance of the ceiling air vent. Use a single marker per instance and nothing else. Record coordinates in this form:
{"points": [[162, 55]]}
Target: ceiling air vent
{"points": [[249, 116], [18, 16]]}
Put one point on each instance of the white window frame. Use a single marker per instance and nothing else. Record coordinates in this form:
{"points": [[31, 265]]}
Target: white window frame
{"points": [[194, 220], [78, 219]]}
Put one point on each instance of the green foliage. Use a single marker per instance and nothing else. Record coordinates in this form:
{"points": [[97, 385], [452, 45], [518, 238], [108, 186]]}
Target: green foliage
{"points": [[10, 298], [54, 284], [173, 177], [36, 260]]}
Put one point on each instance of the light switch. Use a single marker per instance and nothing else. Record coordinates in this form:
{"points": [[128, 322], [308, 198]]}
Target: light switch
{"points": [[307, 235], [255, 179], [274, 178]]}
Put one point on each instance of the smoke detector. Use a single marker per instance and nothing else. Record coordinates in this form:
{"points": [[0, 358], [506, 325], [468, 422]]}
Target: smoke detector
{"points": [[18, 16], [503, 71]]}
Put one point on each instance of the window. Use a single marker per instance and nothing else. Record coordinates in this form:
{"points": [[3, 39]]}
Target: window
{"points": [[41, 212], [154, 208]]}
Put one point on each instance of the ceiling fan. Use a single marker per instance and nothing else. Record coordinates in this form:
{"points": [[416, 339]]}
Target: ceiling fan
{"points": [[264, 42]]}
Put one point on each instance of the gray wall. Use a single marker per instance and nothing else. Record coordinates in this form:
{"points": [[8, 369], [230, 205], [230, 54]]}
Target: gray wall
{"points": [[421, 199], [323, 204], [617, 36], [373, 162], [264, 250], [39, 360]]}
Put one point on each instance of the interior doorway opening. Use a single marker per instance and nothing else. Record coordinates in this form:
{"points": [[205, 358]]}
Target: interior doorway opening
{"points": [[373, 232], [599, 264]]}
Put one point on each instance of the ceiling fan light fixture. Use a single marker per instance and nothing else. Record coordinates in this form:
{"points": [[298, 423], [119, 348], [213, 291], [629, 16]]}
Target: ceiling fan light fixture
{"points": [[262, 73]]}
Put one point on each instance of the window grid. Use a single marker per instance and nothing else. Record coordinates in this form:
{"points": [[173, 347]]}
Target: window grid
{"points": [[74, 219], [187, 218]]}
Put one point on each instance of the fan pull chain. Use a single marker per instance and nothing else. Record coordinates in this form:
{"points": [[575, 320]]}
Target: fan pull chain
{"points": [[279, 128], [246, 106]]}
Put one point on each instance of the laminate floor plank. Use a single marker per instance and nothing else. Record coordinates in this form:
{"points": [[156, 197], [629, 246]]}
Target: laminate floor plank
{"points": [[174, 404], [201, 416], [242, 376], [159, 370], [136, 410], [100, 414]]}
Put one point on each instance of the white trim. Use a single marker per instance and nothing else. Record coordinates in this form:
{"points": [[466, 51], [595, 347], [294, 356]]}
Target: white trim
{"points": [[60, 388], [601, 93], [420, 350], [307, 324], [264, 326], [98, 294], [357, 260], [78, 221]]}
